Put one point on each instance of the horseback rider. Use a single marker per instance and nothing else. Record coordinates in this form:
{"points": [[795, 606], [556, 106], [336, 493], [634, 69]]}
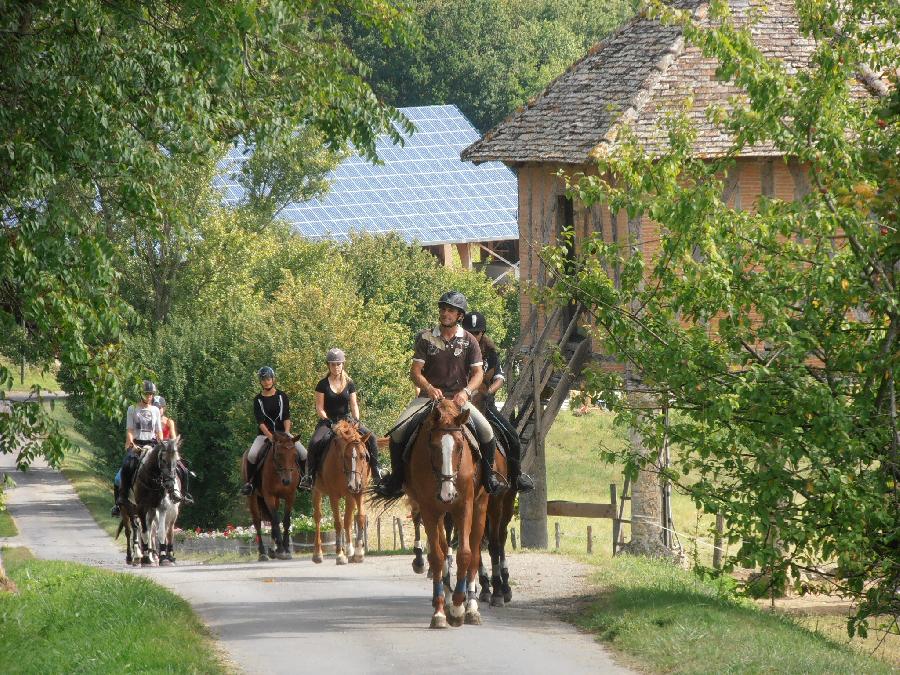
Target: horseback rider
{"points": [[446, 363], [494, 378], [168, 428], [143, 428], [272, 409], [336, 400]]}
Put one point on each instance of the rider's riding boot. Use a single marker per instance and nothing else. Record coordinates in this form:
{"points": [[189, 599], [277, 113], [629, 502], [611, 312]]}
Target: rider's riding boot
{"points": [[115, 512], [377, 472], [524, 483], [247, 488], [392, 484], [184, 475], [488, 479], [309, 476]]}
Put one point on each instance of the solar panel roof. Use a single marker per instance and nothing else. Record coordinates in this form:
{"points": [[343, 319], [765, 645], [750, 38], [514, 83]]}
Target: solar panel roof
{"points": [[422, 191]]}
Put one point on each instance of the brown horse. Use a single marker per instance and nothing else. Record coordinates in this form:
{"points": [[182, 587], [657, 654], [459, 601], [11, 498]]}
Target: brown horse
{"points": [[499, 512], [443, 477], [345, 473], [278, 477]]}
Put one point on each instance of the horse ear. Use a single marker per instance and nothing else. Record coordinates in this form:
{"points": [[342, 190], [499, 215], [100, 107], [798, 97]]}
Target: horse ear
{"points": [[295, 438], [436, 413], [462, 418], [366, 437]]}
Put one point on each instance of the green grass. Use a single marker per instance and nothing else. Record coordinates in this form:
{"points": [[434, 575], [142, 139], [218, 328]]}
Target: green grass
{"points": [[666, 620], [69, 618], [33, 376], [7, 525], [575, 472]]}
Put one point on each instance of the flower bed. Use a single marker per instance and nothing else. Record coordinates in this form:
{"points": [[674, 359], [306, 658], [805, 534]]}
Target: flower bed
{"points": [[243, 539]]}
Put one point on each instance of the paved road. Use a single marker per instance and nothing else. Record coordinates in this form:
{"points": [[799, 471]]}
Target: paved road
{"points": [[285, 616]]}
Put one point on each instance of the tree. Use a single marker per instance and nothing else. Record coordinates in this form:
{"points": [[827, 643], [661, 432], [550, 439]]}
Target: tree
{"points": [[487, 57], [771, 333], [103, 108]]}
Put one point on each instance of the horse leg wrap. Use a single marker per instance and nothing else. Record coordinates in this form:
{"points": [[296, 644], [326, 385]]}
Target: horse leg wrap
{"points": [[438, 589]]}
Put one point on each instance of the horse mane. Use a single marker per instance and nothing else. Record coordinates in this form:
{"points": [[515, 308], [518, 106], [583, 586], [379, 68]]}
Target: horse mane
{"points": [[346, 431]]}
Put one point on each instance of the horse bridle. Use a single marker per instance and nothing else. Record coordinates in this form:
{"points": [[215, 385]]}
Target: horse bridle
{"points": [[279, 469], [161, 482], [349, 471], [442, 477]]}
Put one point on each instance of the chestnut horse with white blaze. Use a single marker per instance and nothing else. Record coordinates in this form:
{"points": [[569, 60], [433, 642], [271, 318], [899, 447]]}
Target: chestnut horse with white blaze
{"points": [[345, 473], [443, 477], [279, 476]]}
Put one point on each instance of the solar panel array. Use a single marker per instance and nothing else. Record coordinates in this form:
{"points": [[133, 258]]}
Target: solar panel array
{"points": [[423, 191]]}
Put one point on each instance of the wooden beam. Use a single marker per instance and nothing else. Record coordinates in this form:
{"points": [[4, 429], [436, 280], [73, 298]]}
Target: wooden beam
{"points": [[581, 510]]}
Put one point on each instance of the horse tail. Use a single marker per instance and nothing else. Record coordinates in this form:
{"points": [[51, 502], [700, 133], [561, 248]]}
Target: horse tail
{"points": [[119, 531]]}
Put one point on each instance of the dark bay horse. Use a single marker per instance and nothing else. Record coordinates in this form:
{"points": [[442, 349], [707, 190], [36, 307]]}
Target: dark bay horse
{"points": [[279, 475], [443, 477], [345, 473], [155, 495]]}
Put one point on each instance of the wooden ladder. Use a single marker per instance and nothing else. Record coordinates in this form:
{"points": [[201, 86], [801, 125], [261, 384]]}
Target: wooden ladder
{"points": [[543, 373]]}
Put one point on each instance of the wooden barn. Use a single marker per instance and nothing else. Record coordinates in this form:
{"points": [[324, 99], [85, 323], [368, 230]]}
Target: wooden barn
{"points": [[637, 77]]}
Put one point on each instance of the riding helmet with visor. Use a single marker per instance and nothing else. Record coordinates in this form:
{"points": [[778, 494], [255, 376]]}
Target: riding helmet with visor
{"points": [[335, 355], [454, 299], [149, 387], [475, 322], [266, 372], [159, 401]]}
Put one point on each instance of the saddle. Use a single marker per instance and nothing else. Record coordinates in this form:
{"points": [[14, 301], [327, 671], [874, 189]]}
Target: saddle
{"points": [[415, 424]]}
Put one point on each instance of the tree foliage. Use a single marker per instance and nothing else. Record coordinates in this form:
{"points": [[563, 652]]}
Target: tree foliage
{"points": [[107, 110], [487, 57], [772, 331]]}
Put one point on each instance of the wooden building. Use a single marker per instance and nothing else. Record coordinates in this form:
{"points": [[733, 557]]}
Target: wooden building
{"points": [[638, 76]]}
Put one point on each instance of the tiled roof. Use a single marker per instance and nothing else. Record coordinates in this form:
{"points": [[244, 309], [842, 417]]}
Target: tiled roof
{"points": [[639, 75], [421, 190]]}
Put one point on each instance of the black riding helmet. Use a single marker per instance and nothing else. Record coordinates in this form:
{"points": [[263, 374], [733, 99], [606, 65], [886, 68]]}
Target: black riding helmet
{"points": [[266, 371], [454, 299], [475, 322], [149, 387]]}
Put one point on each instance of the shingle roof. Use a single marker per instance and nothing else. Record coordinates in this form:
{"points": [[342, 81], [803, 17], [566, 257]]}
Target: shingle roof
{"points": [[421, 190], [639, 75]]}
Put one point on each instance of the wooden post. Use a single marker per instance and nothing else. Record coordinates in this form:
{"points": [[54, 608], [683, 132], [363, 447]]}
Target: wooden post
{"points": [[465, 255], [378, 531], [558, 535], [400, 530], [717, 541], [590, 540], [613, 499], [512, 534], [533, 505], [394, 532]]}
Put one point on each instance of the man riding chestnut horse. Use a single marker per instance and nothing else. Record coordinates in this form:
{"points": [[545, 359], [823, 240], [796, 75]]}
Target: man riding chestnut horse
{"points": [[446, 363]]}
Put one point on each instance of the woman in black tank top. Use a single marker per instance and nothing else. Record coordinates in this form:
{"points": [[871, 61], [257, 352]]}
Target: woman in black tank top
{"points": [[335, 400]]}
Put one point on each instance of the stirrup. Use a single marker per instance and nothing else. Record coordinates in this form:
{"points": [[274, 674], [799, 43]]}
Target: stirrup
{"points": [[115, 511], [306, 483], [186, 498], [389, 488], [247, 489]]}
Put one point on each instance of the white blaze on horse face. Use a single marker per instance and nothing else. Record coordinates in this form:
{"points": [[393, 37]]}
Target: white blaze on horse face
{"points": [[448, 489], [352, 483]]}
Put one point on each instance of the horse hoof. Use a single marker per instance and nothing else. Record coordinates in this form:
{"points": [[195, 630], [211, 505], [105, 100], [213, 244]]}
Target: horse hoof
{"points": [[418, 567], [165, 562], [317, 557], [341, 559], [283, 555], [473, 618], [497, 601], [439, 621], [358, 558], [485, 596], [263, 557], [456, 621], [507, 596]]}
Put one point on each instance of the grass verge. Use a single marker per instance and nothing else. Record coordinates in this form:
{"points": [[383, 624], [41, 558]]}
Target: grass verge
{"points": [[7, 525], [33, 376], [70, 618], [666, 619]]}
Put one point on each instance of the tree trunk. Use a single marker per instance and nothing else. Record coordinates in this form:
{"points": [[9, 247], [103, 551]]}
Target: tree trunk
{"points": [[646, 493]]}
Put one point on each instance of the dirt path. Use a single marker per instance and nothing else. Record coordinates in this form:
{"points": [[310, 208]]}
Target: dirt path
{"points": [[280, 617]]}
